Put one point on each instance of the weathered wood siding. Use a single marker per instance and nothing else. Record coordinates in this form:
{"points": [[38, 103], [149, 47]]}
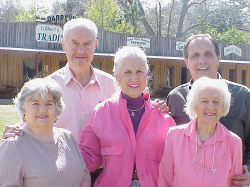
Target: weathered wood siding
{"points": [[22, 35]]}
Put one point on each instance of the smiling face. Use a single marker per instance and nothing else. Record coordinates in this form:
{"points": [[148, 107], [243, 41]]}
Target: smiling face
{"points": [[40, 112], [79, 46], [132, 77], [209, 106], [202, 59]]}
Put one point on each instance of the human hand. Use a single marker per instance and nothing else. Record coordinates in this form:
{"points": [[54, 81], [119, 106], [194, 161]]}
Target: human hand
{"points": [[12, 131], [162, 106], [242, 180]]}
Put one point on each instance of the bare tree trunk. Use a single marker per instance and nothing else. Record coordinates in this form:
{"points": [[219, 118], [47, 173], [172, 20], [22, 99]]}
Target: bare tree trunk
{"points": [[144, 21], [184, 10], [160, 19], [170, 18]]}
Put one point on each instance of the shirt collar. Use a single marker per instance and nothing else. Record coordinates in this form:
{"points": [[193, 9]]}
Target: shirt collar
{"points": [[220, 131], [192, 81], [69, 76]]}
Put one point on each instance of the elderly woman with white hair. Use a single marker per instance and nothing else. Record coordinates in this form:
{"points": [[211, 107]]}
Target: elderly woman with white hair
{"points": [[202, 152], [44, 155], [126, 134]]}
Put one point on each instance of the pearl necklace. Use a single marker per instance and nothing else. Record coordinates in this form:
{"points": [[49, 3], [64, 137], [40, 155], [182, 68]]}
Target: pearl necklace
{"points": [[135, 110]]}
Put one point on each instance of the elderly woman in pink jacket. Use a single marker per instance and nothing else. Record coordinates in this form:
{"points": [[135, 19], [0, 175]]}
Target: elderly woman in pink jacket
{"points": [[202, 153], [126, 134]]}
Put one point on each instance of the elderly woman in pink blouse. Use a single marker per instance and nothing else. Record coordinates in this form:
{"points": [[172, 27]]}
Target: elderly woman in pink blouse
{"points": [[126, 134], [202, 152]]}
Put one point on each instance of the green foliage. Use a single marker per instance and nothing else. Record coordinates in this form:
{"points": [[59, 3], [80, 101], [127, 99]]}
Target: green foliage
{"points": [[26, 15], [235, 36], [106, 15], [232, 35], [30, 14], [132, 16]]}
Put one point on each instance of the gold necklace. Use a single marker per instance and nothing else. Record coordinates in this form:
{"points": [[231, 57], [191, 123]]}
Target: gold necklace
{"points": [[135, 110]]}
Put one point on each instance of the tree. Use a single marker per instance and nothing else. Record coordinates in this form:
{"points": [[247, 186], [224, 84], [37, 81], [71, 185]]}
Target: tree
{"points": [[106, 15], [186, 5], [8, 11], [126, 6], [77, 7], [189, 15], [231, 35], [132, 16], [223, 14], [31, 13]]}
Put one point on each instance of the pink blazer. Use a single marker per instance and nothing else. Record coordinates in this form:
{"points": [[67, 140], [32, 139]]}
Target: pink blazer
{"points": [[109, 140]]}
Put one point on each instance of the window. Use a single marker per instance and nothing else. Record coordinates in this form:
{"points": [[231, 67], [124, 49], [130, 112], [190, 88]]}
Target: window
{"points": [[31, 69], [232, 76], [169, 77], [183, 75], [62, 64], [243, 76], [150, 78], [219, 71], [97, 65]]}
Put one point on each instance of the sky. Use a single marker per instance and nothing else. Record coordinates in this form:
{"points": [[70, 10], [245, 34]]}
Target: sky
{"points": [[48, 3]]}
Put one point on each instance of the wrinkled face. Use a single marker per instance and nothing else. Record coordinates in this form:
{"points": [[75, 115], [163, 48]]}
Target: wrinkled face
{"points": [[132, 77], [209, 106], [79, 46], [40, 111], [202, 59]]}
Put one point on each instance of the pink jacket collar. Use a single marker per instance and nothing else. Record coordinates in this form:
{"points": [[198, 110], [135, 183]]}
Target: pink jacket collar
{"points": [[220, 131]]}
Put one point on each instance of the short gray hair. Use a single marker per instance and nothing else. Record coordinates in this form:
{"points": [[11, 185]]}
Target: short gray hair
{"points": [[39, 86], [128, 53], [205, 83], [80, 22]]}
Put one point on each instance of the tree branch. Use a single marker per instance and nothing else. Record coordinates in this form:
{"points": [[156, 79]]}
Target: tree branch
{"points": [[192, 27], [196, 3], [123, 4], [144, 20]]}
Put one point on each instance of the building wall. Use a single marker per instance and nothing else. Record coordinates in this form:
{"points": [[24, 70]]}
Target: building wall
{"points": [[12, 75]]}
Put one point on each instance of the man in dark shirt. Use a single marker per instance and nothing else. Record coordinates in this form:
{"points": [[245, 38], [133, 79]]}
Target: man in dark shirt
{"points": [[201, 56]]}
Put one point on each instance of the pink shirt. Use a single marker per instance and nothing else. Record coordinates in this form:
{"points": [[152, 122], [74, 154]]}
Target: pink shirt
{"points": [[109, 140], [80, 101], [178, 169]]}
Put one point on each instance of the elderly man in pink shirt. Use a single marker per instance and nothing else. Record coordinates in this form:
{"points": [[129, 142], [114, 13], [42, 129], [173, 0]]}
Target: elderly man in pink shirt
{"points": [[83, 86]]}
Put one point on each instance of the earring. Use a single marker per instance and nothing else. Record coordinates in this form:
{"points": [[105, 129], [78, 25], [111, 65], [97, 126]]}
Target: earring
{"points": [[23, 118], [55, 120]]}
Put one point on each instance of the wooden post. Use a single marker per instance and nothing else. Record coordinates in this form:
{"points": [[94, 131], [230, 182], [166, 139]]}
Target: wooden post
{"points": [[36, 70]]}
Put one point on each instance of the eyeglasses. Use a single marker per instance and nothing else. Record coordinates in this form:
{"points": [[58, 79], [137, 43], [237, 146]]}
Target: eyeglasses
{"points": [[194, 161]]}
